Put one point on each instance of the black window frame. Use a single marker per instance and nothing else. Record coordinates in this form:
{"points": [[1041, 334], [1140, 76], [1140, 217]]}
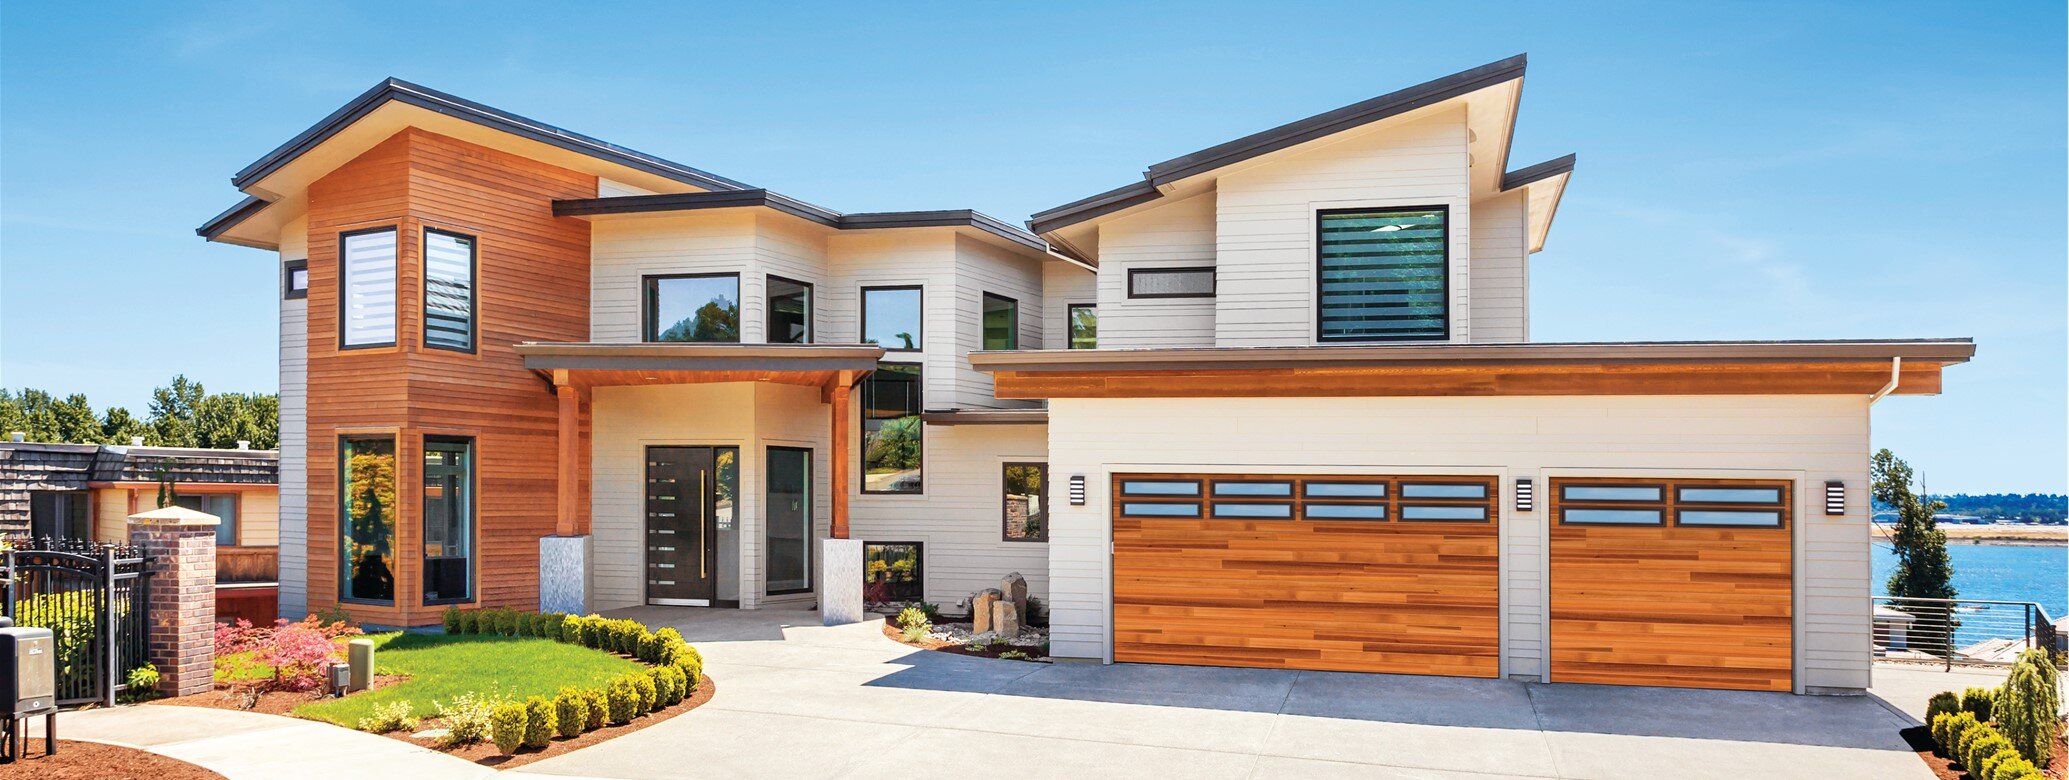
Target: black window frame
{"points": [[473, 454], [769, 309], [1070, 319], [473, 289], [811, 521], [649, 289], [919, 421], [919, 565], [1043, 536], [1012, 329], [344, 499], [1444, 293], [60, 515], [919, 340], [1213, 287], [289, 291], [345, 286]]}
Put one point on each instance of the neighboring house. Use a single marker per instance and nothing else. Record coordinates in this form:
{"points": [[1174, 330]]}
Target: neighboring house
{"points": [[88, 491], [1273, 405]]}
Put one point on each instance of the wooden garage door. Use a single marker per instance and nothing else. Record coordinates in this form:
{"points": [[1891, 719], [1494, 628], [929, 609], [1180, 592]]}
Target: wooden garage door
{"points": [[1682, 583], [1366, 574]]}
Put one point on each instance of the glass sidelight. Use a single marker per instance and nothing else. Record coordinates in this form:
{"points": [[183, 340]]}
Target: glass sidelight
{"points": [[448, 520], [789, 520]]}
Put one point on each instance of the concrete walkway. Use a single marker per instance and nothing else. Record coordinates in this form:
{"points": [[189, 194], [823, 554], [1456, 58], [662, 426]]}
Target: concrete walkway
{"points": [[797, 700], [240, 745]]}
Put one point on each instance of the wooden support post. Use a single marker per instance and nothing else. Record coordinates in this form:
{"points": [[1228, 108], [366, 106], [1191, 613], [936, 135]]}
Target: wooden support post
{"points": [[843, 386], [570, 473]]}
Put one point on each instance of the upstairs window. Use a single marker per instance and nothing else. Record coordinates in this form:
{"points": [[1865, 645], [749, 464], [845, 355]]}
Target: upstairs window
{"points": [[448, 290], [1001, 322], [790, 311], [366, 297], [891, 318], [295, 279], [1084, 325], [1171, 282], [693, 307], [893, 437], [1381, 274]]}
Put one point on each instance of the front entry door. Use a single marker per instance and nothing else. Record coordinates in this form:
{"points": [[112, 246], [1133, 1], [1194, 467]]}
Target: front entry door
{"points": [[682, 526]]}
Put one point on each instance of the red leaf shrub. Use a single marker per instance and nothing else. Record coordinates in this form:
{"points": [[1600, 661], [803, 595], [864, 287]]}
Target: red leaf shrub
{"points": [[300, 657], [239, 637]]}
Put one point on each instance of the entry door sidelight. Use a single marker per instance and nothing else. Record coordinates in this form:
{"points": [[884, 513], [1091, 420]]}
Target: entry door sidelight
{"points": [[682, 525]]}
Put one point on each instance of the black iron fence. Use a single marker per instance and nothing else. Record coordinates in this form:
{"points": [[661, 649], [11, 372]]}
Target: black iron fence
{"points": [[1960, 631], [95, 599]]}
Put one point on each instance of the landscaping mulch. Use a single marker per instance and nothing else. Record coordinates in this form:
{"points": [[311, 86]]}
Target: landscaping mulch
{"points": [[485, 753], [993, 650], [95, 761], [1921, 742], [233, 696]]}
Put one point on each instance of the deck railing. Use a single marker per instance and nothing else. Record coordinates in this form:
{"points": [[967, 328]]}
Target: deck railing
{"points": [[1960, 631], [247, 564]]}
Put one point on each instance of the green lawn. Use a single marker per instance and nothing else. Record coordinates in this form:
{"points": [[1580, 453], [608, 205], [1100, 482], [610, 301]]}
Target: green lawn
{"points": [[442, 667]]}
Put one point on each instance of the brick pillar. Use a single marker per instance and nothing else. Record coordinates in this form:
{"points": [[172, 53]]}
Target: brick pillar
{"points": [[182, 551]]}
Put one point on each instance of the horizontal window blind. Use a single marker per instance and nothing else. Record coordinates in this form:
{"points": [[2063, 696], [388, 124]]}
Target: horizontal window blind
{"points": [[1382, 275], [368, 288], [448, 290]]}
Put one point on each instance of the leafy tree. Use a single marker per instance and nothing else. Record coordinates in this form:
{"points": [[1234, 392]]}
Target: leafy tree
{"points": [[1924, 569], [13, 417], [118, 426], [73, 420], [183, 414], [717, 320], [172, 412]]}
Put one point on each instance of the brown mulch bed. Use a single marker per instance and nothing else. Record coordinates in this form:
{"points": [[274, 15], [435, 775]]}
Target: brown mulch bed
{"points": [[1921, 741], [944, 646], [485, 753], [234, 697], [95, 761]]}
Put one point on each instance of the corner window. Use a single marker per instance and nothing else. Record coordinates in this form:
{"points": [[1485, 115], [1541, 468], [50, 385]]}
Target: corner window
{"points": [[223, 506], [294, 279], [448, 290], [892, 435], [892, 574], [1083, 322], [1381, 274], [1027, 502], [367, 507], [891, 318], [790, 311], [1001, 322], [366, 288], [448, 520], [693, 307], [1171, 282]]}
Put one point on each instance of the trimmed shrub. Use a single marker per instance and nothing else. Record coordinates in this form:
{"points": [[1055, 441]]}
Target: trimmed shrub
{"points": [[2028, 707], [622, 700], [1942, 703], [452, 620], [912, 616], [507, 726], [643, 687], [1949, 737], [1984, 744], [467, 719], [2016, 767], [669, 636], [598, 708], [592, 632], [570, 712], [1978, 701], [1970, 731], [554, 621], [571, 629], [392, 716], [470, 622], [659, 682], [1987, 768], [628, 633], [649, 647], [539, 718]]}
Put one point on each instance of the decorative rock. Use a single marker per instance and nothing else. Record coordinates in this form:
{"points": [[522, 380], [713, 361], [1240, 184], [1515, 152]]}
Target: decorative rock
{"points": [[1005, 619], [1014, 588], [431, 734], [981, 609]]}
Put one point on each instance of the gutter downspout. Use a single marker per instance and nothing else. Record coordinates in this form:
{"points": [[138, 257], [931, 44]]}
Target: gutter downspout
{"points": [[1896, 367]]}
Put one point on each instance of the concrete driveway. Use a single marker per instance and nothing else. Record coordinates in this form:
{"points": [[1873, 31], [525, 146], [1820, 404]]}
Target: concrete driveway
{"points": [[797, 700]]}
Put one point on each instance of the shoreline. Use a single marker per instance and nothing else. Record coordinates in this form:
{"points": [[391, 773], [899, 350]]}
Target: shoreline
{"points": [[1995, 535]]}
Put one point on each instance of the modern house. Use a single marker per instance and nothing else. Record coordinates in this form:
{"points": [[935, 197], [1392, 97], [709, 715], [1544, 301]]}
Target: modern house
{"points": [[1275, 404], [86, 492]]}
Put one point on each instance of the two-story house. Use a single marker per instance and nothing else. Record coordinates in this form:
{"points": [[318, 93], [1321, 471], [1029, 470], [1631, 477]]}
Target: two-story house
{"points": [[1273, 405]]}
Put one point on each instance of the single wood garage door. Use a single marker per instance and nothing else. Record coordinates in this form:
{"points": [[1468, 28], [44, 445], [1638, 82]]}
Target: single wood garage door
{"points": [[1340, 573], [1681, 583]]}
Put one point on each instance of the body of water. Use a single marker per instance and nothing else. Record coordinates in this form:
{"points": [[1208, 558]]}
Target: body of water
{"points": [[1998, 572]]}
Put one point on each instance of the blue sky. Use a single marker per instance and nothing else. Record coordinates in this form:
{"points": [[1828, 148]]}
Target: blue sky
{"points": [[1746, 171]]}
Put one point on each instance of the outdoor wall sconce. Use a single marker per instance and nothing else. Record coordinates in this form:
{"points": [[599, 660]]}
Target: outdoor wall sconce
{"points": [[1526, 496], [1077, 490], [1835, 498]]}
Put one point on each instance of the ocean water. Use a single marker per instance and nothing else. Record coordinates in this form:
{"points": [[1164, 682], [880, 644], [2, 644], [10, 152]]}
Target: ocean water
{"points": [[1999, 572]]}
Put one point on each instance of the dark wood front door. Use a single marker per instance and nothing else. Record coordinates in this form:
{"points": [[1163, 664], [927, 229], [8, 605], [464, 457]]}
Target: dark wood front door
{"points": [[682, 525]]}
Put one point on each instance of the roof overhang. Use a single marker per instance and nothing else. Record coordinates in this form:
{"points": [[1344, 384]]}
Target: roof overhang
{"points": [[985, 417], [589, 365], [975, 224], [1617, 368], [278, 182], [1543, 185]]}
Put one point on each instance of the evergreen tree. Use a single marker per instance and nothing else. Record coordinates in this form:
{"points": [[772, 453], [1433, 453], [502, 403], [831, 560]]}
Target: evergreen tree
{"points": [[1924, 569], [72, 420], [12, 416], [172, 413], [118, 426]]}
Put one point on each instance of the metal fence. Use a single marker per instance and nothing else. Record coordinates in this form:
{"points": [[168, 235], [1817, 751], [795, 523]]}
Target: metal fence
{"points": [[95, 599], [1954, 632]]}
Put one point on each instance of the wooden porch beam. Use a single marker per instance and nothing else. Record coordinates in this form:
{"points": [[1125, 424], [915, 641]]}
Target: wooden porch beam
{"points": [[838, 394], [569, 481]]}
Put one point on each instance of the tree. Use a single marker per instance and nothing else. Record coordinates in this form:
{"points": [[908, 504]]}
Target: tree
{"points": [[12, 416], [172, 413], [1924, 569], [118, 426]]}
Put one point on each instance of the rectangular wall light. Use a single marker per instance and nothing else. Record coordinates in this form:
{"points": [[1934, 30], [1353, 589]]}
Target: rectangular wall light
{"points": [[1835, 498], [1526, 495], [1077, 490]]}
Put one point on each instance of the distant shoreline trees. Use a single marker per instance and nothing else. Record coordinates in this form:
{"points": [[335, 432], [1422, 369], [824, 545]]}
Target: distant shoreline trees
{"points": [[182, 414]]}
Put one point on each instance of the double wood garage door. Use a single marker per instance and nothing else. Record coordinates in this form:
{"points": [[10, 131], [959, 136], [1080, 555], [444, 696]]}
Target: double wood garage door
{"points": [[1340, 573]]}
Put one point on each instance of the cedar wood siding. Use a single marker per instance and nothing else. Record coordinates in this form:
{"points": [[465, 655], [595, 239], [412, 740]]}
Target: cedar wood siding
{"points": [[532, 284]]}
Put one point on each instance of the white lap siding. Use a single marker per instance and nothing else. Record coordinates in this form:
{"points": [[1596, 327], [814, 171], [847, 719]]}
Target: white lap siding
{"points": [[294, 432], [1176, 235], [1500, 270], [1808, 439]]}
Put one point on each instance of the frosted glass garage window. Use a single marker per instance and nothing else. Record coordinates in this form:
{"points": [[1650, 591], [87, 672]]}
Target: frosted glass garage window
{"points": [[1380, 275], [367, 288], [448, 290], [1171, 282]]}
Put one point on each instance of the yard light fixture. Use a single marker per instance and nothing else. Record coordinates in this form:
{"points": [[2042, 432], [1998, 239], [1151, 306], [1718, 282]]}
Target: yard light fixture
{"points": [[1835, 498]]}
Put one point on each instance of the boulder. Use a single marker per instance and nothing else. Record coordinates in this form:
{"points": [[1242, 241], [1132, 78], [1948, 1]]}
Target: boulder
{"points": [[1013, 587], [981, 609], [1005, 620]]}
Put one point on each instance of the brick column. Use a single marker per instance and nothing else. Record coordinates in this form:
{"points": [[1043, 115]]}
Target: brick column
{"points": [[181, 545]]}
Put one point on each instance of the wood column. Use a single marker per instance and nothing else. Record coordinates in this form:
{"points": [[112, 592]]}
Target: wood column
{"points": [[570, 441], [838, 398]]}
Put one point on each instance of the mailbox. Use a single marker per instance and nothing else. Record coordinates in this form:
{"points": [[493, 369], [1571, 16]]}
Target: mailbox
{"points": [[28, 678]]}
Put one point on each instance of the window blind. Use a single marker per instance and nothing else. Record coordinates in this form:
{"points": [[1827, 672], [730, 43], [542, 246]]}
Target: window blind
{"points": [[448, 290], [368, 288], [1382, 275]]}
